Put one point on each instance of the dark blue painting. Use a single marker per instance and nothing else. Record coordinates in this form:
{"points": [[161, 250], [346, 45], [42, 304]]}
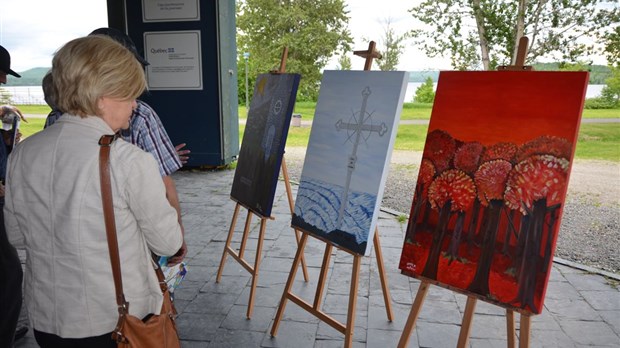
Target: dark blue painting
{"points": [[262, 147]]}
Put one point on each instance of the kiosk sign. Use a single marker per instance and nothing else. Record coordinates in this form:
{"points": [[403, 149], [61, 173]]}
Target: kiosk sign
{"points": [[174, 60]]}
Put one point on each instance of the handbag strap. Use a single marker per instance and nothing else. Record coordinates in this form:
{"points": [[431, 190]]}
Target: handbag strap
{"points": [[105, 142]]}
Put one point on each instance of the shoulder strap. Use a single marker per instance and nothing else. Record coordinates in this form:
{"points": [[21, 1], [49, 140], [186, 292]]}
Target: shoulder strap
{"points": [[105, 142]]}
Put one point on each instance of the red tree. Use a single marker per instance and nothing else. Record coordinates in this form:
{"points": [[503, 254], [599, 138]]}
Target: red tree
{"points": [[453, 190], [425, 177], [467, 158], [545, 145], [534, 185], [505, 151], [439, 149], [490, 181]]}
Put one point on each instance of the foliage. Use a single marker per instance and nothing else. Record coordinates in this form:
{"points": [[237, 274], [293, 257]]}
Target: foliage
{"points": [[425, 93], [612, 46], [598, 73], [393, 46], [612, 90], [313, 30], [344, 62], [483, 33]]}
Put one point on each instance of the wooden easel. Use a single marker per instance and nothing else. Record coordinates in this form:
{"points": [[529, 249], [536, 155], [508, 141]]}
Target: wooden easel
{"points": [[470, 305], [315, 307], [228, 250]]}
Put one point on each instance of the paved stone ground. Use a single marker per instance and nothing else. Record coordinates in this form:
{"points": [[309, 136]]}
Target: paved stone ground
{"points": [[582, 308]]}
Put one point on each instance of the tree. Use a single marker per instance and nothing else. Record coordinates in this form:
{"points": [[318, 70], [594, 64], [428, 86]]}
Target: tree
{"points": [[426, 92], [484, 33], [313, 30], [344, 62], [393, 47], [612, 46], [611, 92]]}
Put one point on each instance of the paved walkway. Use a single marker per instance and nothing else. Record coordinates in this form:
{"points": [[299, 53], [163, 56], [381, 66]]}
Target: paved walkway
{"points": [[582, 308]]}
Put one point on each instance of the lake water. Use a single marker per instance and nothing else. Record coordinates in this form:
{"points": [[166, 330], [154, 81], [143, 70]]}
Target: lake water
{"points": [[34, 94]]}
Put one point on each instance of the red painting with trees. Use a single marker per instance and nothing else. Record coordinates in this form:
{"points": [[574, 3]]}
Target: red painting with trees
{"points": [[491, 187]]}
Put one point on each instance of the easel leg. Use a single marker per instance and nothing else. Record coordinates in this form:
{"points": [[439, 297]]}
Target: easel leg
{"points": [[289, 194], [468, 316], [510, 328], [228, 239], [289, 284], [413, 314], [318, 296], [524, 331], [348, 334], [246, 232], [383, 277], [259, 247]]}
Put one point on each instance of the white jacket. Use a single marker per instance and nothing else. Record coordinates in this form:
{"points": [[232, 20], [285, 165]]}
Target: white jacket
{"points": [[53, 207]]}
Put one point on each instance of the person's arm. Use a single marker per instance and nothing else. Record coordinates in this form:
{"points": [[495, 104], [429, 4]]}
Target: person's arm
{"points": [[173, 198]]}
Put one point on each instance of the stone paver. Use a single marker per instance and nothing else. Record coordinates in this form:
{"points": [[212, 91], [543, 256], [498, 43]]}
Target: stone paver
{"points": [[581, 308]]}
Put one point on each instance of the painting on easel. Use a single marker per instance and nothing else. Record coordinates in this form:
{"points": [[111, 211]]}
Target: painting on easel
{"points": [[492, 183], [348, 154], [266, 129]]}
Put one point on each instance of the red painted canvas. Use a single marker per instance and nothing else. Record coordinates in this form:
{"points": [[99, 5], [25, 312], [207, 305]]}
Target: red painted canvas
{"points": [[492, 183]]}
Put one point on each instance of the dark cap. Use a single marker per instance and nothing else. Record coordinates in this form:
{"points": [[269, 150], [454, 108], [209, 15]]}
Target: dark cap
{"points": [[123, 39], [5, 62]]}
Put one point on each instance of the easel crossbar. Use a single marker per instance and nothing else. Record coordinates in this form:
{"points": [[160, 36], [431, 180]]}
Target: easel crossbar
{"points": [[317, 313], [239, 259]]}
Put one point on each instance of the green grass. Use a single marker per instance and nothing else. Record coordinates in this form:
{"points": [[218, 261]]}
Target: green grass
{"points": [[599, 141], [34, 109], [601, 113], [34, 125], [422, 111]]}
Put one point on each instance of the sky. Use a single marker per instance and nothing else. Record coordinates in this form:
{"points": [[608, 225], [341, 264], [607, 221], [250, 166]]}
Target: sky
{"points": [[32, 30]]}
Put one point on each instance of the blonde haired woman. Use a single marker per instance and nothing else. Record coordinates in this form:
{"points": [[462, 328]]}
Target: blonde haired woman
{"points": [[53, 202]]}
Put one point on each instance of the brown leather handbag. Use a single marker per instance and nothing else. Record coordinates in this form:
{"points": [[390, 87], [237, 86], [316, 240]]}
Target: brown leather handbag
{"points": [[157, 330]]}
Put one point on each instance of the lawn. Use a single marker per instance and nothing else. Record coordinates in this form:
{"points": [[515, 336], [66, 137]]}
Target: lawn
{"points": [[596, 140], [422, 111]]}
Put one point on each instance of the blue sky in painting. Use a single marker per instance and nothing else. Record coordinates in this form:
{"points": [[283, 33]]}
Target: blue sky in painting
{"points": [[339, 98]]}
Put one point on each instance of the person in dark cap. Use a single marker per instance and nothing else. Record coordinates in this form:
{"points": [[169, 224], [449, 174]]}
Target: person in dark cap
{"points": [[5, 65], [10, 266], [147, 132]]}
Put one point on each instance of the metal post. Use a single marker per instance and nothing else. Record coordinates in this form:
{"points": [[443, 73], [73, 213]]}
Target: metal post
{"points": [[246, 55]]}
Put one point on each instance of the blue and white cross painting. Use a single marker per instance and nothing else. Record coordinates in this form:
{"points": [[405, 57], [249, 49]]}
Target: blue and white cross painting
{"points": [[348, 155]]}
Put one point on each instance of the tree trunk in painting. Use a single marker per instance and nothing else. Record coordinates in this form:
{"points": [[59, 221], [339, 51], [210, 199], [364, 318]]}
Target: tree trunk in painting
{"points": [[510, 229], [531, 256], [473, 223], [553, 218], [453, 250], [520, 249], [414, 213], [480, 283], [432, 262]]}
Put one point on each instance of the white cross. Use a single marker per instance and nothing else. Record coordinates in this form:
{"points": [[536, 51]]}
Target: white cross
{"points": [[357, 129]]}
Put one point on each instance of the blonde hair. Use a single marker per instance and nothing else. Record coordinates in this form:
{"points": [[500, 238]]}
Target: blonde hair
{"points": [[91, 67]]}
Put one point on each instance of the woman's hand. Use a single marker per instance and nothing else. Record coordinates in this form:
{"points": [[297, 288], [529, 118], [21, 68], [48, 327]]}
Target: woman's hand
{"points": [[179, 256]]}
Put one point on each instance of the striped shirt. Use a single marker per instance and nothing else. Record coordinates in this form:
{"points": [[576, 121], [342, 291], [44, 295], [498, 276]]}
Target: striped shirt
{"points": [[147, 132]]}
